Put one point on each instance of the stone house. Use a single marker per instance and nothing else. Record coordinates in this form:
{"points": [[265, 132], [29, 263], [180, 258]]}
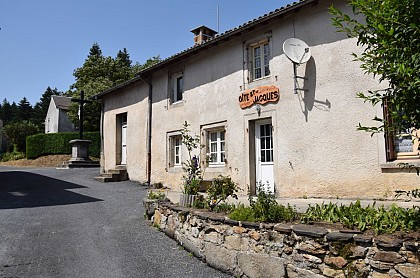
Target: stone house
{"points": [[57, 119], [261, 117]]}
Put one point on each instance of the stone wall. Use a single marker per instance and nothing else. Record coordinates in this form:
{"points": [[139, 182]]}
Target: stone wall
{"points": [[246, 249]]}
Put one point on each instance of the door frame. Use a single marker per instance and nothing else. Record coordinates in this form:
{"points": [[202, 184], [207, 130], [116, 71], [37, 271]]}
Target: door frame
{"points": [[257, 150], [123, 150], [121, 119], [249, 128]]}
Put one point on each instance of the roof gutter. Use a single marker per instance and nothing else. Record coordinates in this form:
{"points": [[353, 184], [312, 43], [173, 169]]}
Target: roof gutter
{"points": [[149, 129]]}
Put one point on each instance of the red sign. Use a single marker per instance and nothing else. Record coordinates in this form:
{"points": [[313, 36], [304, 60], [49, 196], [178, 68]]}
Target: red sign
{"points": [[259, 95]]}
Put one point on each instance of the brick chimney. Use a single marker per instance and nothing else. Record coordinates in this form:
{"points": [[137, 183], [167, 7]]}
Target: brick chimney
{"points": [[202, 34]]}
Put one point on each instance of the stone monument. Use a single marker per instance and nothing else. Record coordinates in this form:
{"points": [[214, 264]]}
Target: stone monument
{"points": [[80, 147]]}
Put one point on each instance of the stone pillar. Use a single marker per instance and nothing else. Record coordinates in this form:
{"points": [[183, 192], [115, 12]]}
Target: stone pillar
{"points": [[80, 150], [80, 154]]}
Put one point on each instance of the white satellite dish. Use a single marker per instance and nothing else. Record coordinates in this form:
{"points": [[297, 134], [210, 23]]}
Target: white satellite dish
{"points": [[296, 50]]}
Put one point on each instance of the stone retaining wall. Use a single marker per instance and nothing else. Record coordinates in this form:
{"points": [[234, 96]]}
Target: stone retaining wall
{"points": [[246, 249]]}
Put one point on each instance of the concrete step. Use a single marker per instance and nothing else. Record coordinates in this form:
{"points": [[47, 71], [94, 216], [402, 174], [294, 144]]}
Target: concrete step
{"points": [[83, 164], [104, 178], [113, 175], [122, 173]]}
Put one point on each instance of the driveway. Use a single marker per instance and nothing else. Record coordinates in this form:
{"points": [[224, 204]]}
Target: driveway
{"points": [[61, 223]]}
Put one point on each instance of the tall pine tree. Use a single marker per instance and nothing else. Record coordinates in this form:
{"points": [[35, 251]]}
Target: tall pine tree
{"points": [[6, 113], [41, 107], [25, 110]]}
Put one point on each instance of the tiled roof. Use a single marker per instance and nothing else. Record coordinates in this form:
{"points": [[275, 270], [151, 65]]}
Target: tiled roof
{"points": [[220, 38], [62, 102]]}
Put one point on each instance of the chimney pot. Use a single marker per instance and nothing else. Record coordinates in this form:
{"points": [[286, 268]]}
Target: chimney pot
{"points": [[202, 34]]}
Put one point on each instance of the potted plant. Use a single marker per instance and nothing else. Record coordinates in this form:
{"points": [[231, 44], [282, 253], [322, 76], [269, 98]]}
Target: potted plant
{"points": [[192, 172]]}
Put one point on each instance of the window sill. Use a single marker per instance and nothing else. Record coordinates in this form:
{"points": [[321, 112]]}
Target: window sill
{"points": [[260, 79], [396, 164], [177, 104]]}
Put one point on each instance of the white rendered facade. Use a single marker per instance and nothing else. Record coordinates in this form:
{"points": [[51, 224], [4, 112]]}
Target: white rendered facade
{"points": [[308, 146]]}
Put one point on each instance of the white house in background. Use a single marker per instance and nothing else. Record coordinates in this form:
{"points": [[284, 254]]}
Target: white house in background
{"points": [[260, 117], [57, 119]]}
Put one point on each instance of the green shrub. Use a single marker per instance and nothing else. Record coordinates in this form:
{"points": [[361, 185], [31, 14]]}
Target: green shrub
{"points": [[17, 133], [12, 155], [243, 213], [199, 202], [220, 189], [265, 209], [58, 143], [379, 219], [224, 207]]}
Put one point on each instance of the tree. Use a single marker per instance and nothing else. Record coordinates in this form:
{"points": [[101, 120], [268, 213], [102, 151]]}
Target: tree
{"points": [[121, 70], [93, 77], [149, 62], [98, 74], [41, 107], [25, 110], [14, 113], [95, 50], [6, 112], [389, 31], [18, 131], [1, 111]]}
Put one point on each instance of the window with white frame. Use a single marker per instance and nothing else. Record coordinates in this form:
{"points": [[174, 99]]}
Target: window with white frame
{"points": [[402, 144], [260, 60], [216, 147], [177, 150], [177, 87], [175, 153]]}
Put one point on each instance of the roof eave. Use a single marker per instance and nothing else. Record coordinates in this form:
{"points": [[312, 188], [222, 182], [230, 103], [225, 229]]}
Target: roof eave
{"points": [[226, 36], [230, 34]]}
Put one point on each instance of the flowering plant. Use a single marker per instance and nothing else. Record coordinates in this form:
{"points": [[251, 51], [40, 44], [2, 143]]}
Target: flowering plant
{"points": [[191, 167]]}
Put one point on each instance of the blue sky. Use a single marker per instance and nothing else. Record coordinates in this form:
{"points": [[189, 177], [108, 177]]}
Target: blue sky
{"points": [[43, 41]]}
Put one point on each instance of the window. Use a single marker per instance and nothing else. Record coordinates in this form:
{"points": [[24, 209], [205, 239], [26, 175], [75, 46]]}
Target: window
{"points": [[177, 141], [123, 118], [405, 145], [177, 87], [175, 153], [266, 142], [216, 148], [400, 145], [260, 60]]}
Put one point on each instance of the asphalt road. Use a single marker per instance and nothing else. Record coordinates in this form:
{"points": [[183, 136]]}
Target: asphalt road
{"points": [[61, 223]]}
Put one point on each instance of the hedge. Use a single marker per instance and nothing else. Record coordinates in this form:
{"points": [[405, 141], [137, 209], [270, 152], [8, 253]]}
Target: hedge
{"points": [[58, 143]]}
